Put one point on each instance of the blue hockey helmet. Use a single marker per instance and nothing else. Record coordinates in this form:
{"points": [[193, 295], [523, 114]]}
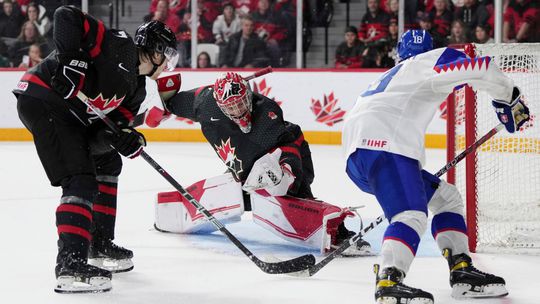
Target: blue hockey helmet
{"points": [[414, 42]]}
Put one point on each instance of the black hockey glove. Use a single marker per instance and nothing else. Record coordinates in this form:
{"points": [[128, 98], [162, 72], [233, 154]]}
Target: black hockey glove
{"points": [[69, 77], [128, 142]]}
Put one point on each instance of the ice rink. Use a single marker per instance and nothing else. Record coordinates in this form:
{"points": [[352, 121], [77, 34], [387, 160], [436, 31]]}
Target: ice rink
{"points": [[203, 269]]}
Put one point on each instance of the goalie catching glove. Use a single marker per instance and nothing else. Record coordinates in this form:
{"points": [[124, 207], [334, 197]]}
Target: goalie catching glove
{"points": [[128, 142], [514, 114], [269, 175]]}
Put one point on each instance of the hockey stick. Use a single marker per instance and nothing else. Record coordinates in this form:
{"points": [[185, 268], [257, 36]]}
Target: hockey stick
{"points": [[312, 270], [259, 73], [293, 265]]}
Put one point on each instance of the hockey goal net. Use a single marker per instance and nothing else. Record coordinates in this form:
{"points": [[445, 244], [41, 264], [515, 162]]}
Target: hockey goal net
{"points": [[500, 182]]}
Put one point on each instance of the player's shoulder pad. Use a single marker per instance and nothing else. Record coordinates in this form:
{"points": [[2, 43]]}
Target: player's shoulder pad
{"points": [[450, 55]]}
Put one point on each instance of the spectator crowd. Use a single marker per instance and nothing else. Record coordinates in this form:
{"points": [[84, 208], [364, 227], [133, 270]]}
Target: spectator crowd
{"points": [[26, 31], [450, 22], [257, 33]]}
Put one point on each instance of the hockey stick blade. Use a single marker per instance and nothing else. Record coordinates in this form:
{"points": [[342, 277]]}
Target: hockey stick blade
{"points": [[292, 265], [348, 243], [298, 264]]}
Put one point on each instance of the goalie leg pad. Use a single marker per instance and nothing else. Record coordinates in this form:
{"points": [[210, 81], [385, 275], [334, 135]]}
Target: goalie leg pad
{"points": [[221, 195], [306, 222]]}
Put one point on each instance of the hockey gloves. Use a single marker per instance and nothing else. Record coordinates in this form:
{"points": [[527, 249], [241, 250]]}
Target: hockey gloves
{"points": [[128, 142], [70, 73], [269, 175], [514, 114]]}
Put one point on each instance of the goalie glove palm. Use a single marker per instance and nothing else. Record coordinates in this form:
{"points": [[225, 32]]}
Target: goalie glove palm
{"points": [[514, 114], [269, 175]]}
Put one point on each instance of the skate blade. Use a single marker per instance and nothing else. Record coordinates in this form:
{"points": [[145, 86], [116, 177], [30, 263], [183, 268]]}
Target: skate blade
{"points": [[114, 266], [464, 291], [71, 284], [353, 252], [394, 300]]}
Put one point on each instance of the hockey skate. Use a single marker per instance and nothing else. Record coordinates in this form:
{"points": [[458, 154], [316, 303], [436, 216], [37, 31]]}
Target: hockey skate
{"points": [[105, 254], [361, 248], [74, 275], [390, 289], [469, 282]]}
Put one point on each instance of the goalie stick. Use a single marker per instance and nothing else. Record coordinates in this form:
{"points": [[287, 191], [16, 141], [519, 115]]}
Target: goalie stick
{"points": [[312, 270], [293, 265]]}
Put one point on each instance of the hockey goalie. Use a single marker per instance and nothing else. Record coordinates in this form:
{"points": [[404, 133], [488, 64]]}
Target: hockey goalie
{"points": [[268, 162]]}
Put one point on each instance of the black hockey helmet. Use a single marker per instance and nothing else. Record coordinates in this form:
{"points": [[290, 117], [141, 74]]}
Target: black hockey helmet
{"points": [[155, 37]]}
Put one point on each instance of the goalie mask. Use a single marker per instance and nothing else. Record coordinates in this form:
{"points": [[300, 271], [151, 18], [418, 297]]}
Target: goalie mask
{"points": [[233, 96]]}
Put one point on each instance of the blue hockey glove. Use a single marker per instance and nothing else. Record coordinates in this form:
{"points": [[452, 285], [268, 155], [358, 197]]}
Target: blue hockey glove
{"points": [[514, 114]]}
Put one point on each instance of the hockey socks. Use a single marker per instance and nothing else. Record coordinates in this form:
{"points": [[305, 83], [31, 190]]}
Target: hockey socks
{"points": [[103, 252], [74, 275]]}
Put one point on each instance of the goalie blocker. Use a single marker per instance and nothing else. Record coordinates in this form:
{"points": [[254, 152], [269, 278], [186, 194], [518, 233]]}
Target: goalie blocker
{"points": [[306, 222]]}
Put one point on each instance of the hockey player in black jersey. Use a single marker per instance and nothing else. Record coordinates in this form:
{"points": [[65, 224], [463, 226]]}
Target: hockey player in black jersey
{"points": [[262, 151], [76, 148]]}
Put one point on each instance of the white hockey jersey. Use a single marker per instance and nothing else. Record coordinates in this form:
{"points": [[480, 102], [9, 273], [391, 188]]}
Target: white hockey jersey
{"points": [[394, 112]]}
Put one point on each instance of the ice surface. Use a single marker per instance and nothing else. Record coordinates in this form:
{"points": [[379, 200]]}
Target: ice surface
{"points": [[206, 269]]}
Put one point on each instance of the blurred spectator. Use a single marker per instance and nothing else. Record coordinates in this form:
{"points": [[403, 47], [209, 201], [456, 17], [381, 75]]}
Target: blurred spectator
{"points": [[522, 21], [349, 52], [482, 34], [472, 14], [33, 58], [207, 12], [36, 14], [4, 60], [176, 7], [271, 28], [411, 7], [245, 48], [457, 33], [377, 58], [11, 20], [226, 25], [426, 23], [203, 61], [374, 24], [29, 35], [164, 15], [392, 39], [442, 17], [244, 7]]}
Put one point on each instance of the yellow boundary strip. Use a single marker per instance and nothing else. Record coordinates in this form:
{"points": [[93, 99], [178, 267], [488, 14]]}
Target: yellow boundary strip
{"points": [[195, 135]]}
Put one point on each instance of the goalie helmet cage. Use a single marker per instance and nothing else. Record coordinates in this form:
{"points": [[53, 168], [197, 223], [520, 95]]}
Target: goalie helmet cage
{"points": [[500, 181]]}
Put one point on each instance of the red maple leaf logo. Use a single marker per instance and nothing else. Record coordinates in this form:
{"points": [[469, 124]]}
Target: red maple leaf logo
{"points": [[265, 90], [104, 104], [227, 153], [327, 112]]}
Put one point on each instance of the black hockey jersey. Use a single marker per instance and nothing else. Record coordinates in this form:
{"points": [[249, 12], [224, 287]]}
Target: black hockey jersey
{"points": [[239, 150], [112, 81]]}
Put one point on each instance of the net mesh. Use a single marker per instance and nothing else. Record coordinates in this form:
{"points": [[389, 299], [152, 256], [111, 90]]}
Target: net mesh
{"points": [[507, 166]]}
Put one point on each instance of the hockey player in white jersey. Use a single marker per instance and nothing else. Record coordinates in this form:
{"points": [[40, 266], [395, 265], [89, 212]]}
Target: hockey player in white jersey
{"points": [[384, 140]]}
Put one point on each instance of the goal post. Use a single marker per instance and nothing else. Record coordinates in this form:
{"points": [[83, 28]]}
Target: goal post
{"points": [[500, 182]]}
